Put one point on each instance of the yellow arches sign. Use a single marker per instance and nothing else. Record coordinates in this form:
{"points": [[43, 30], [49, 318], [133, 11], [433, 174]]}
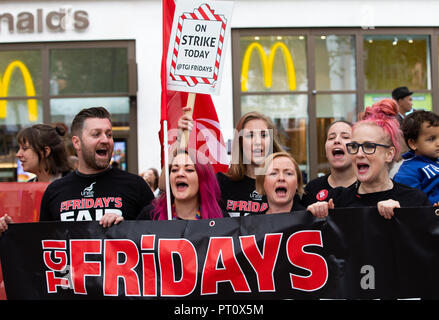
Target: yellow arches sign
{"points": [[29, 85], [267, 64]]}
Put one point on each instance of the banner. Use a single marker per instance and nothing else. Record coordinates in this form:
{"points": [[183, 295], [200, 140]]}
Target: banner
{"points": [[21, 201], [353, 254]]}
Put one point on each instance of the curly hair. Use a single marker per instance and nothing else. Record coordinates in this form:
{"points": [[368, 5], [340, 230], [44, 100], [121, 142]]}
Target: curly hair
{"points": [[412, 123]]}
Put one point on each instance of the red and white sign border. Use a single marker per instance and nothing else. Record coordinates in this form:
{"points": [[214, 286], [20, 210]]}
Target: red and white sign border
{"points": [[204, 12]]}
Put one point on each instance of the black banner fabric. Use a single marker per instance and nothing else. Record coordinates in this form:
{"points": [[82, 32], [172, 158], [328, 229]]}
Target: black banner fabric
{"points": [[353, 254]]}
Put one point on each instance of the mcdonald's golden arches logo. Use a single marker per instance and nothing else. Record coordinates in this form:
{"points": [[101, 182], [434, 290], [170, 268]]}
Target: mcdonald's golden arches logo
{"points": [[28, 84], [267, 64]]}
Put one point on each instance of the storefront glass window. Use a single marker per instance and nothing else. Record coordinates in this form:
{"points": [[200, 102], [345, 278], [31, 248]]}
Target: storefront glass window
{"points": [[88, 71], [335, 62], [20, 73], [20, 103], [273, 63], [65, 109], [392, 61]]}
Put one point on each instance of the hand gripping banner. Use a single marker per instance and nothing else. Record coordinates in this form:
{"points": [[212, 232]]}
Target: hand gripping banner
{"points": [[353, 254]]}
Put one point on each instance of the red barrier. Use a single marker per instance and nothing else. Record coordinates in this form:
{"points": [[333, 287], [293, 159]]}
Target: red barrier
{"points": [[22, 202]]}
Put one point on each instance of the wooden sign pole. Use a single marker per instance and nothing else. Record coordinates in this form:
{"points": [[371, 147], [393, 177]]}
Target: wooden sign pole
{"points": [[190, 103]]}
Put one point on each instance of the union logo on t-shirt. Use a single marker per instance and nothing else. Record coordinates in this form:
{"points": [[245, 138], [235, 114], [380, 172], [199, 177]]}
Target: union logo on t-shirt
{"points": [[322, 194]]}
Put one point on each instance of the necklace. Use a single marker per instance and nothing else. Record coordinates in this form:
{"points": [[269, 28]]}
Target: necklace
{"points": [[175, 217]]}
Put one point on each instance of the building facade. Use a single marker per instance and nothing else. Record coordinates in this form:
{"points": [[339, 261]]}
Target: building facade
{"points": [[302, 62]]}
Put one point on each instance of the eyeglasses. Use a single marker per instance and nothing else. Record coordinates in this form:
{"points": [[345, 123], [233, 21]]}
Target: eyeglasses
{"points": [[367, 147]]}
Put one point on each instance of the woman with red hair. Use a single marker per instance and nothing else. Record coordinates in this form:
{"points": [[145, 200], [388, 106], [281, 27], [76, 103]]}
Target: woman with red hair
{"points": [[375, 146], [194, 191]]}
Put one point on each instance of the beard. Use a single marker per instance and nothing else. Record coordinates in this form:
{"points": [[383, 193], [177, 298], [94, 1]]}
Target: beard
{"points": [[94, 162]]}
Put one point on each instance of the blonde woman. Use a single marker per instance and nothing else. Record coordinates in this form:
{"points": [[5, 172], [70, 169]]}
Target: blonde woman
{"points": [[280, 183], [254, 139]]}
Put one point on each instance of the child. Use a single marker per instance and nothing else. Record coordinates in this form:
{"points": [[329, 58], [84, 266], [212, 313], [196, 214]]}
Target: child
{"points": [[420, 168]]}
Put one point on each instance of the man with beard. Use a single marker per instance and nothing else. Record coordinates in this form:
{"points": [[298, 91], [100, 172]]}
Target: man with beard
{"points": [[96, 190]]}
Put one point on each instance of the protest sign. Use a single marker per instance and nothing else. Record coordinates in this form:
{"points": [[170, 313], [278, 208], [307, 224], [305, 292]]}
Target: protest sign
{"points": [[196, 52]]}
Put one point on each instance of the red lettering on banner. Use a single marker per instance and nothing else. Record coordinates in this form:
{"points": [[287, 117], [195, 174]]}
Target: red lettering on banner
{"points": [[98, 203], [60, 264], [54, 282], [312, 262], [149, 266], [115, 270], [61, 256], [170, 286], [80, 268], [222, 248], [242, 205], [263, 264]]}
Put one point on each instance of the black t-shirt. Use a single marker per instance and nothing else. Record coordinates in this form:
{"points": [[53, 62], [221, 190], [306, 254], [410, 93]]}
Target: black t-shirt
{"points": [[297, 205], [407, 197], [318, 189], [147, 213], [80, 197], [240, 198]]}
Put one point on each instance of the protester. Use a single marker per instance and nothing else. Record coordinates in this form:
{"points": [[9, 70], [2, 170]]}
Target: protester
{"points": [[341, 170], [281, 181], [151, 176], [420, 168], [374, 148], [255, 138], [95, 191], [42, 152], [194, 191], [403, 98]]}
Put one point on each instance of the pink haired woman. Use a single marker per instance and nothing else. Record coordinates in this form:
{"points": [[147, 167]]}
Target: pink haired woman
{"points": [[194, 191], [375, 146]]}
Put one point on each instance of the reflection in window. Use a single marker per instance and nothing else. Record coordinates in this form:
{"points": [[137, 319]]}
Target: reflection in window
{"points": [[273, 63], [335, 62], [64, 110], [392, 61], [91, 70], [20, 73]]}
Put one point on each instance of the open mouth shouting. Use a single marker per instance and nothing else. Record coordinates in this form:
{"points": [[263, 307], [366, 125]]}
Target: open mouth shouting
{"points": [[362, 168], [102, 152], [338, 153], [281, 191], [181, 186]]}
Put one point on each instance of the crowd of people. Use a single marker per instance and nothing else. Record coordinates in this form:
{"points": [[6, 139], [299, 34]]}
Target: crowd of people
{"points": [[262, 178]]}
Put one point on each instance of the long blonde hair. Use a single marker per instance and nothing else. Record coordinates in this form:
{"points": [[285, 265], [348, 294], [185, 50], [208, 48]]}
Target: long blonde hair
{"points": [[237, 168]]}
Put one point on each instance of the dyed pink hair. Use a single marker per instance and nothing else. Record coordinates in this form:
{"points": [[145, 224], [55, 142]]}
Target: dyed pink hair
{"points": [[208, 194], [383, 114]]}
